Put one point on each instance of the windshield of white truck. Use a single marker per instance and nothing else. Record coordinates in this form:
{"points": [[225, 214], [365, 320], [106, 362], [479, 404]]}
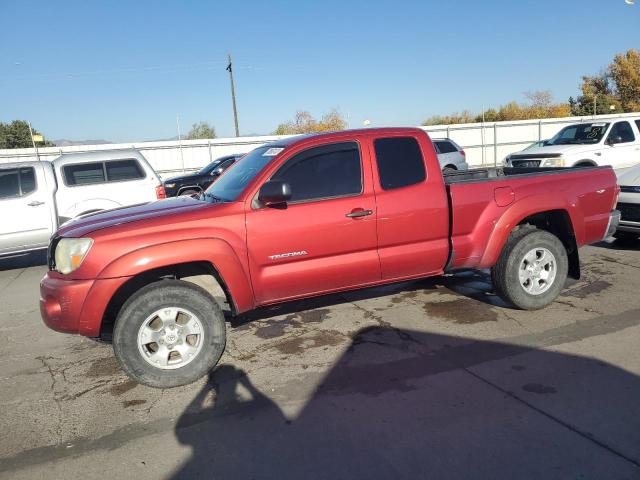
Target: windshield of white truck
{"points": [[230, 185], [583, 133]]}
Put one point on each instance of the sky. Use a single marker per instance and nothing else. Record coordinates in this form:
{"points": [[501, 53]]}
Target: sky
{"points": [[123, 70]]}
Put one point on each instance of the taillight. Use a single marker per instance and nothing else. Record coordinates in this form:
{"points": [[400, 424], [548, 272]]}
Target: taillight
{"points": [[462, 153], [160, 193]]}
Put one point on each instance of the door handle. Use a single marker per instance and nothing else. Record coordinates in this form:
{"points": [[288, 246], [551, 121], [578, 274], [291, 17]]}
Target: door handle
{"points": [[359, 213], [35, 203]]}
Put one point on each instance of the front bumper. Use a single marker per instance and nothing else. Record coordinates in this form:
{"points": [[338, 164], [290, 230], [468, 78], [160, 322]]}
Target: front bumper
{"points": [[632, 227], [61, 302], [77, 306], [612, 226]]}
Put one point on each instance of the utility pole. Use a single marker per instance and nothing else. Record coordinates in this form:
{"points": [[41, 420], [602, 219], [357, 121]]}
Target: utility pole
{"points": [[180, 140], [33, 141], [233, 94]]}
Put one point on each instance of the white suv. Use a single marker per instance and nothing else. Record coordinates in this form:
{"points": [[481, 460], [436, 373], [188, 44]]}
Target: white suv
{"points": [[451, 156], [35, 197], [614, 142]]}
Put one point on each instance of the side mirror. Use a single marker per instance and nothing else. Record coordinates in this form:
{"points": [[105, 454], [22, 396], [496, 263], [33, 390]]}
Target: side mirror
{"points": [[613, 140], [274, 192]]}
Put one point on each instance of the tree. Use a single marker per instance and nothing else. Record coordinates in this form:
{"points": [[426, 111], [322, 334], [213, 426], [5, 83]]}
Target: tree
{"points": [[304, 122], [597, 92], [625, 73], [541, 106], [539, 98], [16, 135], [201, 130]]}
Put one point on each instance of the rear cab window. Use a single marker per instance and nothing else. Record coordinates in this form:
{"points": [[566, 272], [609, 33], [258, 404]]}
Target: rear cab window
{"points": [[399, 161], [92, 173]]}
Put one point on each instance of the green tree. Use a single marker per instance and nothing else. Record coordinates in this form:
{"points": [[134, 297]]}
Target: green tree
{"points": [[201, 130], [16, 135], [304, 122]]}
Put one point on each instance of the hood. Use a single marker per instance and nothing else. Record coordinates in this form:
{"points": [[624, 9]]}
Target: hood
{"points": [[562, 149], [109, 218], [183, 178]]}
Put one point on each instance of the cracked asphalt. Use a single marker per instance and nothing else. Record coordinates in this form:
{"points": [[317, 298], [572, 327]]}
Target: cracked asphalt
{"points": [[429, 379]]}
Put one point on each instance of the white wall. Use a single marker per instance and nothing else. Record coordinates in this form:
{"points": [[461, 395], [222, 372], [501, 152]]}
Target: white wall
{"points": [[484, 144]]}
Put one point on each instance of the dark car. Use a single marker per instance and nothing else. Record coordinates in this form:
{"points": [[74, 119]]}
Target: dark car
{"points": [[196, 183]]}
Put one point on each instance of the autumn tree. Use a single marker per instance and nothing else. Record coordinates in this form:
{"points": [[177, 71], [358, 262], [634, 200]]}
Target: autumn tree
{"points": [[625, 73], [597, 96], [304, 122], [540, 105], [201, 130]]}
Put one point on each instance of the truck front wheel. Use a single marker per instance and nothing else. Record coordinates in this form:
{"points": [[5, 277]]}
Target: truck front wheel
{"points": [[532, 268], [169, 333]]}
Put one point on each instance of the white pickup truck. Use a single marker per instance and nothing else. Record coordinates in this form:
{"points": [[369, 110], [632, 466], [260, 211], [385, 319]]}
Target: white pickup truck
{"points": [[35, 197], [614, 142]]}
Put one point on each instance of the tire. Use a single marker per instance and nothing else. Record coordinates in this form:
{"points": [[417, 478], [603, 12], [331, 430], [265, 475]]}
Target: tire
{"points": [[189, 193], [195, 311], [446, 170], [626, 237], [535, 292]]}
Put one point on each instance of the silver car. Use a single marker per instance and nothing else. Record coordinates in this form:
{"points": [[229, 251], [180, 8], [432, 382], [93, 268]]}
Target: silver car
{"points": [[450, 155]]}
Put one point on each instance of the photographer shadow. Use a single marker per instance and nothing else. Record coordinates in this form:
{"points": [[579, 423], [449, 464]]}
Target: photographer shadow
{"points": [[408, 404]]}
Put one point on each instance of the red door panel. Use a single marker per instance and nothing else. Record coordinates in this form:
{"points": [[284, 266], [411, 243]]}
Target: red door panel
{"points": [[413, 220], [315, 245]]}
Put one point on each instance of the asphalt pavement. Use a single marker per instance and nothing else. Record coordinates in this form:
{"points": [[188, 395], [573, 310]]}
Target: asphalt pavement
{"points": [[429, 379]]}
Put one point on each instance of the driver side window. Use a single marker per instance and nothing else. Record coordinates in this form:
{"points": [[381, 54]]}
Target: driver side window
{"points": [[329, 171], [622, 130]]}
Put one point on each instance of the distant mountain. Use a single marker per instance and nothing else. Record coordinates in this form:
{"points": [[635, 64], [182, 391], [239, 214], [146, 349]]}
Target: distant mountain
{"points": [[65, 143]]}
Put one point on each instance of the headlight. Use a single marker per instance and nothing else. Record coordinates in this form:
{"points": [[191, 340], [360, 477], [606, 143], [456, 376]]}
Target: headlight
{"points": [[70, 253], [169, 185], [553, 162]]}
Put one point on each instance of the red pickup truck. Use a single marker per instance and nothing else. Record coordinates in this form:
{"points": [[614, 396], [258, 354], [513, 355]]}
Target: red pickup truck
{"points": [[307, 216]]}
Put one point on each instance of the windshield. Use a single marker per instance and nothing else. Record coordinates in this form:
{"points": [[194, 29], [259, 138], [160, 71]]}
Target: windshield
{"points": [[207, 169], [583, 133], [230, 185]]}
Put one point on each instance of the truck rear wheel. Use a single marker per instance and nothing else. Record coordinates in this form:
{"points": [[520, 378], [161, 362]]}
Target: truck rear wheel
{"points": [[169, 333], [532, 268]]}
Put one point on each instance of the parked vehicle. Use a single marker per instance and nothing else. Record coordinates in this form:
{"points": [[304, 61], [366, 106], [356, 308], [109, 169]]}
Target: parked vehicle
{"points": [[196, 183], [629, 205], [35, 197], [451, 156], [307, 216], [614, 142], [539, 143]]}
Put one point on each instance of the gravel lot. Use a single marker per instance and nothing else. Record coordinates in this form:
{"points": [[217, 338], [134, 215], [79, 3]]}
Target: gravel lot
{"points": [[432, 379]]}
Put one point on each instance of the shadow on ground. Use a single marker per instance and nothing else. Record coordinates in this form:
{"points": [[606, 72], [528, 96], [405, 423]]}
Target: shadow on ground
{"points": [[619, 244], [31, 259], [406, 404]]}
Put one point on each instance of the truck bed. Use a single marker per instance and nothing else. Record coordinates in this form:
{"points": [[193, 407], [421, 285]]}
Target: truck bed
{"points": [[494, 200], [493, 173]]}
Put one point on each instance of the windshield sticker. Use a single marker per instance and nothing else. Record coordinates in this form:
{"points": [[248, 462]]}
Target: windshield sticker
{"points": [[272, 152], [595, 131], [598, 124]]}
